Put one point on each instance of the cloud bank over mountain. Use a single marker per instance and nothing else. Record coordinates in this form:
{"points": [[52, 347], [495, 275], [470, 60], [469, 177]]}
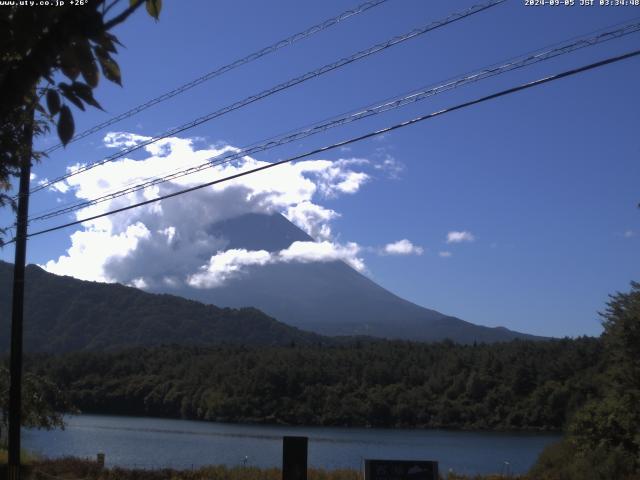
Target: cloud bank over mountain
{"points": [[171, 243]]}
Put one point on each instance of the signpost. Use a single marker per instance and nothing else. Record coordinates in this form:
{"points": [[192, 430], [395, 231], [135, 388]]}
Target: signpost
{"points": [[400, 470], [294, 458]]}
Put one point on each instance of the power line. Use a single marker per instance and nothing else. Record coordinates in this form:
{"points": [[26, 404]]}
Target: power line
{"points": [[397, 126], [282, 86], [390, 104], [226, 68]]}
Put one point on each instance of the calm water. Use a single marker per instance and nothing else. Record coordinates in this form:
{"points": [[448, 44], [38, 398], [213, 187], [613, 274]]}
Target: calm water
{"points": [[152, 442]]}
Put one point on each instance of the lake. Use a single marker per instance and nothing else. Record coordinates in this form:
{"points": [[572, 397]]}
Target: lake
{"points": [[154, 442]]}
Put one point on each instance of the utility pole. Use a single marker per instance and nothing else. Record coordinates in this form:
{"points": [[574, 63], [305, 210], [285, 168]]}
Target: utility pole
{"points": [[17, 309]]}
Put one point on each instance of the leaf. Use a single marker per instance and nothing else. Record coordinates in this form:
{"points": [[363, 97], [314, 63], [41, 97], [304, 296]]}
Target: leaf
{"points": [[113, 38], [91, 75], [71, 72], [87, 63], [69, 63], [105, 43], [101, 52], [154, 7], [53, 102], [110, 69], [65, 125], [70, 95], [85, 92]]}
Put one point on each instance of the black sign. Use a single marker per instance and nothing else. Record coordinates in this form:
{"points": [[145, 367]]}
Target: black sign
{"points": [[400, 470], [294, 458]]}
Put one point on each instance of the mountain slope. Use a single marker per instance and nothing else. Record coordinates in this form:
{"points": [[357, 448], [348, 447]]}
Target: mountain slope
{"points": [[330, 298], [65, 314]]}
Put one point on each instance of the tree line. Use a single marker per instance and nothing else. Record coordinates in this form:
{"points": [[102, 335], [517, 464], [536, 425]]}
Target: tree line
{"points": [[516, 385]]}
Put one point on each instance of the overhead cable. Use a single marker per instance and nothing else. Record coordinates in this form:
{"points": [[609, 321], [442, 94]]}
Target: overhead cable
{"points": [[390, 104], [226, 68], [282, 86], [397, 126]]}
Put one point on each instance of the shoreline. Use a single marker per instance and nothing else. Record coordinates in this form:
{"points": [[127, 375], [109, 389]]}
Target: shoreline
{"points": [[257, 423]]}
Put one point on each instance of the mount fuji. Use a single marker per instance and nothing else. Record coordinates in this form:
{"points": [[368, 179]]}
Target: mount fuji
{"points": [[329, 298]]}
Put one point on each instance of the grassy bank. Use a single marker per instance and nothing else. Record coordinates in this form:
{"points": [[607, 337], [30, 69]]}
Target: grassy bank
{"points": [[80, 469], [25, 457], [74, 468]]}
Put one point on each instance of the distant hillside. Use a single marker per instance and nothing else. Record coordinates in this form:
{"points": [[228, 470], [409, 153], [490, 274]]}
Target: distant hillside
{"points": [[65, 314], [329, 298]]}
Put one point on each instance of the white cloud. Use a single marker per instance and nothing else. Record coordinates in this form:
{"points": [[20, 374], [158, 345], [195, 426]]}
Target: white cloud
{"points": [[629, 234], [32, 177], [59, 187], [139, 283], [232, 263], [81, 260], [403, 247], [171, 243], [459, 237], [392, 167], [123, 139], [312, 218], [226, 265], [334, 178], [445, 254], [325, 251]]}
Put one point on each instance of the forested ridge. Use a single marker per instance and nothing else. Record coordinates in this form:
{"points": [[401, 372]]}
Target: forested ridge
{"points": [[65, 314], [516, 385]]}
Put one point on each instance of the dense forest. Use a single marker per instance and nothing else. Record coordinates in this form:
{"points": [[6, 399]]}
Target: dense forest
{"points": [[516, 385]]}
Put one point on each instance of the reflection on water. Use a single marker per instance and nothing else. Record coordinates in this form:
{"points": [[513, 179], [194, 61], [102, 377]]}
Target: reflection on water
{"points": [[152, 442]]}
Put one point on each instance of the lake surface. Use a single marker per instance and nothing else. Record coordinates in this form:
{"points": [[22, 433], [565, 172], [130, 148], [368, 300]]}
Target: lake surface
{"points": [[153, 442]]}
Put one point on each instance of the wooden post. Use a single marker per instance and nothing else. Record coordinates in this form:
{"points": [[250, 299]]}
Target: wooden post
{"points": [[17, 308]]}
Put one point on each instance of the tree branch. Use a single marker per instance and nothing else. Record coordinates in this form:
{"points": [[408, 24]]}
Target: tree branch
{"points": [[109, 7], [123, 16]]}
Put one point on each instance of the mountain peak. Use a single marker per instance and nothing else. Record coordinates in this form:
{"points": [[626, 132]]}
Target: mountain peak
{"points": [[329, 298], [254, 231]]}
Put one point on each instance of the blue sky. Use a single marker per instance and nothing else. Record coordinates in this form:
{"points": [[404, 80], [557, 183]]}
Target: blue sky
{"points": [[545, 181]]}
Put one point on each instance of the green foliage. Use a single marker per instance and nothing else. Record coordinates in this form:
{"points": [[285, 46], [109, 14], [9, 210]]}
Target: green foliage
{"points": [[38, 42], [38, 45], [65, 124], [622, 339], [385, 384], [26, 458], [603, 437], [565, 460], [53, 102], [611, 424], [43, 403], [153, 7]]}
